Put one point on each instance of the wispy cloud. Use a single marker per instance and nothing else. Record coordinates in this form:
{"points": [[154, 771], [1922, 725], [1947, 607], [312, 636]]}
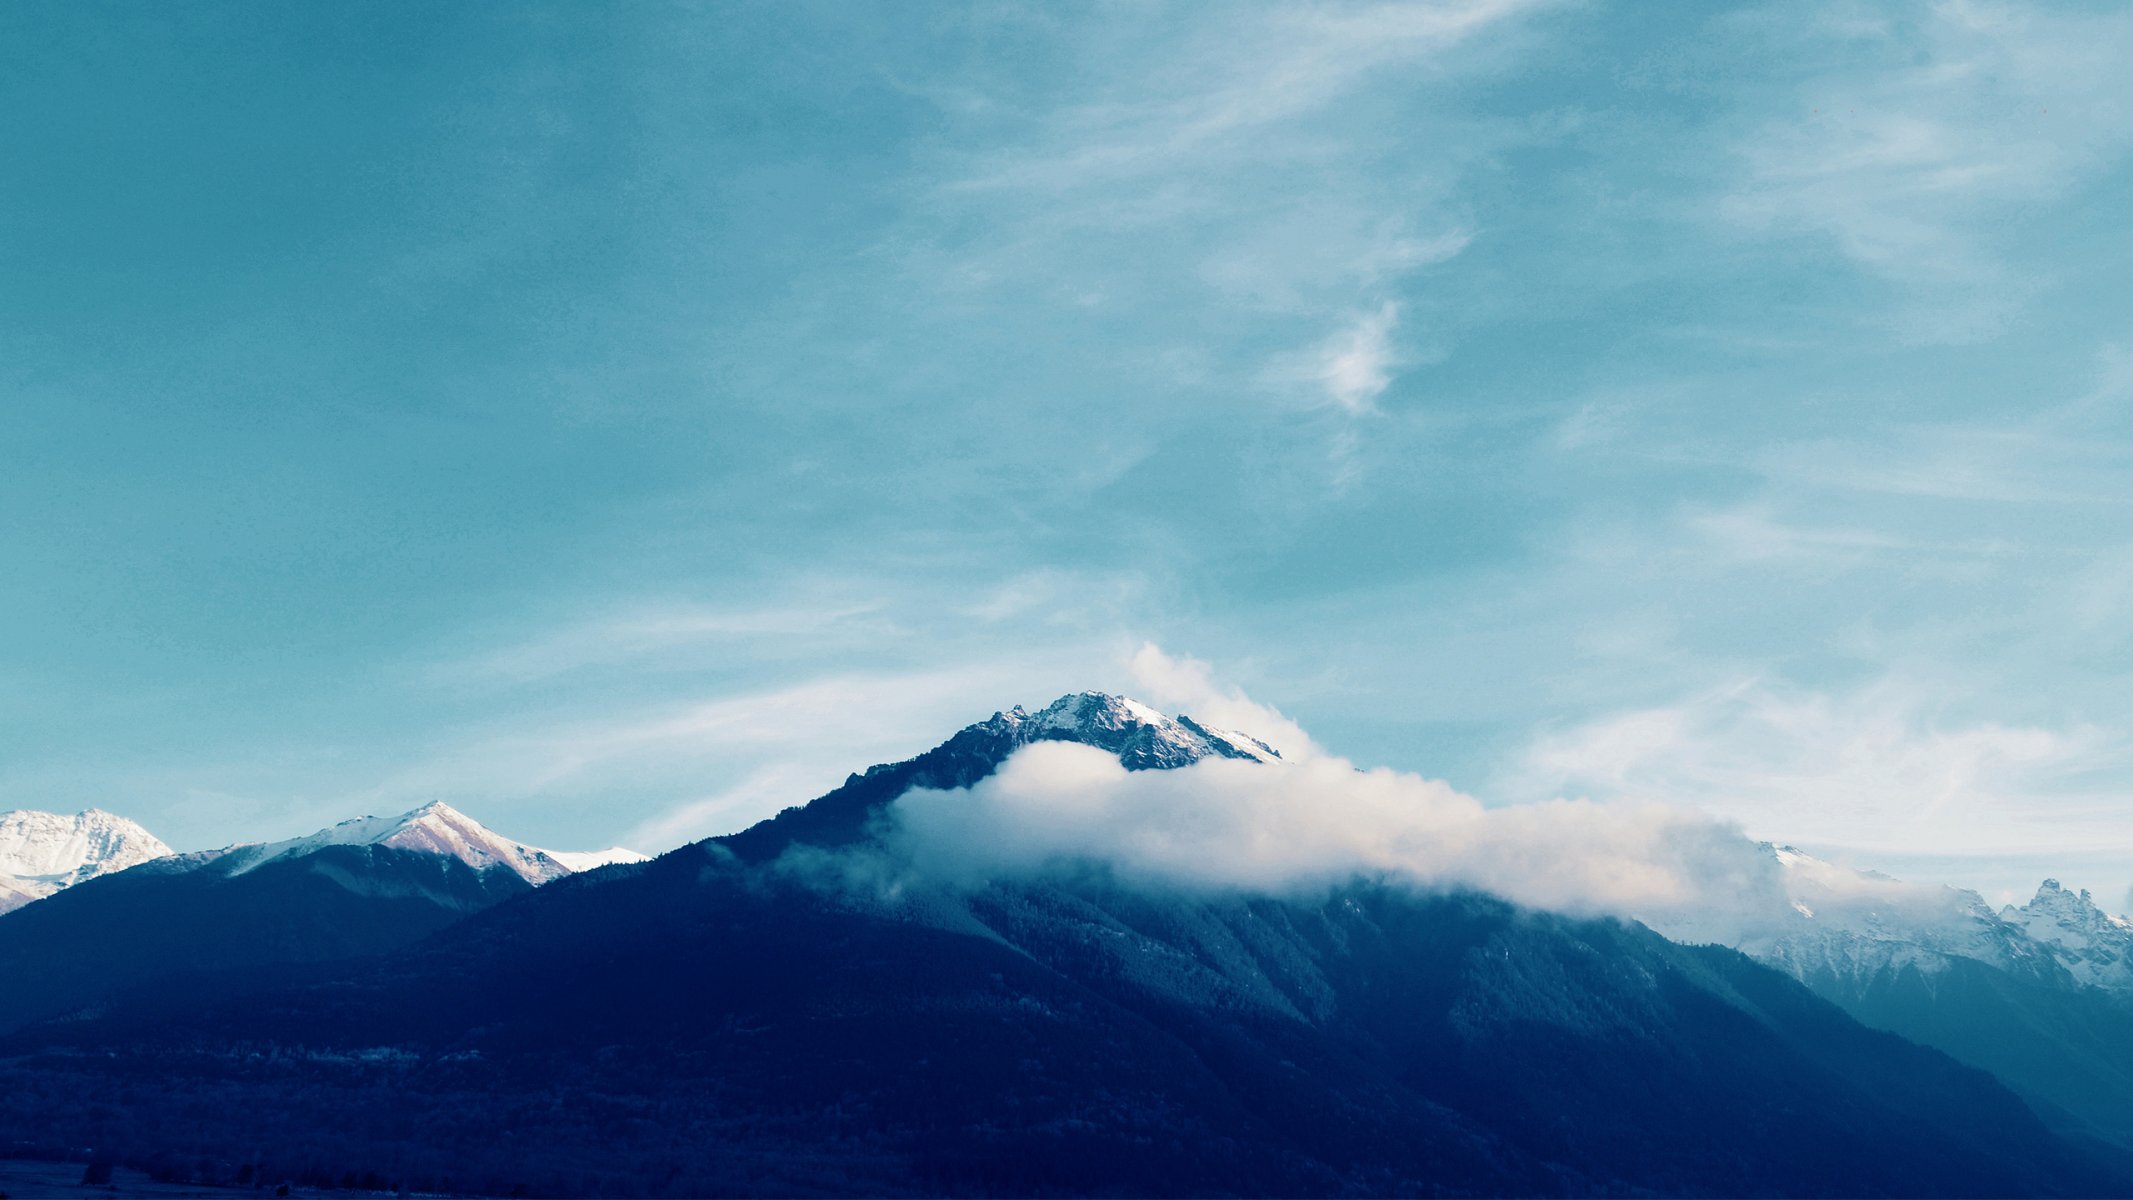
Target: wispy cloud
{"points": [[1242, 166], [1756, 534], [1355, 366], [1944, 120], [1215, 91], [1998, 463], [656, 636]]}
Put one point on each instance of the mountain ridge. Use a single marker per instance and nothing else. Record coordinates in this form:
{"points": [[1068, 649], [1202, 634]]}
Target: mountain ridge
{"points": [[237, 917]]}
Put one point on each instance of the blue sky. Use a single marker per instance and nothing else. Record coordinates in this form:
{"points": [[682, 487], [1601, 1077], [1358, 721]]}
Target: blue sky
{"points": [[623, 422]]}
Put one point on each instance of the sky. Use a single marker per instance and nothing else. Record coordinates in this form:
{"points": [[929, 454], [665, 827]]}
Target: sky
{"points": [[621, 422]]}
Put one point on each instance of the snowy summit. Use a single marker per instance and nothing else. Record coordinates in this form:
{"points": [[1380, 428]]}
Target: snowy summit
{"points": [[435, 828], [42, 852], [2094, 946], [1142, 737]]}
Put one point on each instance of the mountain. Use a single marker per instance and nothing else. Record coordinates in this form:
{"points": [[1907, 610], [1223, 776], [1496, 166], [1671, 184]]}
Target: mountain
{"points": [[42, 852], [436, 828], [1142, 738], [226, 921], [2095, 947], [2038, 995], [1850, 925], [733, 1017]]}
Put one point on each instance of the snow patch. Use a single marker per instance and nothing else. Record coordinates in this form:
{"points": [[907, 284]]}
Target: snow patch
{"points": [[587, 860]]}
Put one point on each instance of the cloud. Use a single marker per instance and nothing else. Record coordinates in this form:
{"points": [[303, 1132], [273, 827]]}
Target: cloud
{"points": [[1873, 769], [1229, 83], [1309, 822], [1188, 685], [673, 771], [2029, 462], [1058, 807], [1940, 122], [1355, 365], [1751, 534], [668, 636], [1250, 174], [764, 791]]}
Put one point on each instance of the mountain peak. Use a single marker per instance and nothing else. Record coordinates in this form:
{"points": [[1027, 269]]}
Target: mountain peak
{"points": [[2062, 904], [1139, 734], [434, 828], [2093, 945], [42, 852]]}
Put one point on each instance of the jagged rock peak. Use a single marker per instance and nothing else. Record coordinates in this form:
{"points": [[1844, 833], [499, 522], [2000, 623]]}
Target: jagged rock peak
{"points": [[2057, 902], [2094, 946]]}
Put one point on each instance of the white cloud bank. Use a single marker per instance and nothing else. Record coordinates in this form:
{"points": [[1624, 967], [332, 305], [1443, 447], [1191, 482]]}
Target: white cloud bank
{"points": [[1059, 807]]}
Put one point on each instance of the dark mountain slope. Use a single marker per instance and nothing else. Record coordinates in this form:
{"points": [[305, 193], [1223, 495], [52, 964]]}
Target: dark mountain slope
{"points": [[755, 1034], [190, 929], [2069, 1049]]}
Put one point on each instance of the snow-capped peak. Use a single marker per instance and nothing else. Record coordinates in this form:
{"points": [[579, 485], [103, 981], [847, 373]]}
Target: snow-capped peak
{"points": [[2094, 946], [1831, 921], [2075, 909], [42, 852], [435, 828], [1140, 735]]}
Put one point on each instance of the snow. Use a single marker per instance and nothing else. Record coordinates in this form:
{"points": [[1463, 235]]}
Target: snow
{"points": [[587, 860], [1828, 921], [1243, 743], [42, 852], [2094, 946], [435, 828], [1112, 722]]}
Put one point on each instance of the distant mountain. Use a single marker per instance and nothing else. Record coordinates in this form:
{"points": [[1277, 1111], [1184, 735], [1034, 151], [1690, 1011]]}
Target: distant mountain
{"points": [[435, 828], [1847, 924], [2094, 946], [719, 1021], [2040, 995], [224, 921], [42, 852]]}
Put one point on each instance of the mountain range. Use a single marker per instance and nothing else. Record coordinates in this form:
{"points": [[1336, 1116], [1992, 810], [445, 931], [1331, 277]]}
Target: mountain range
{"points": [[221, 922], [772, 1013]]}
